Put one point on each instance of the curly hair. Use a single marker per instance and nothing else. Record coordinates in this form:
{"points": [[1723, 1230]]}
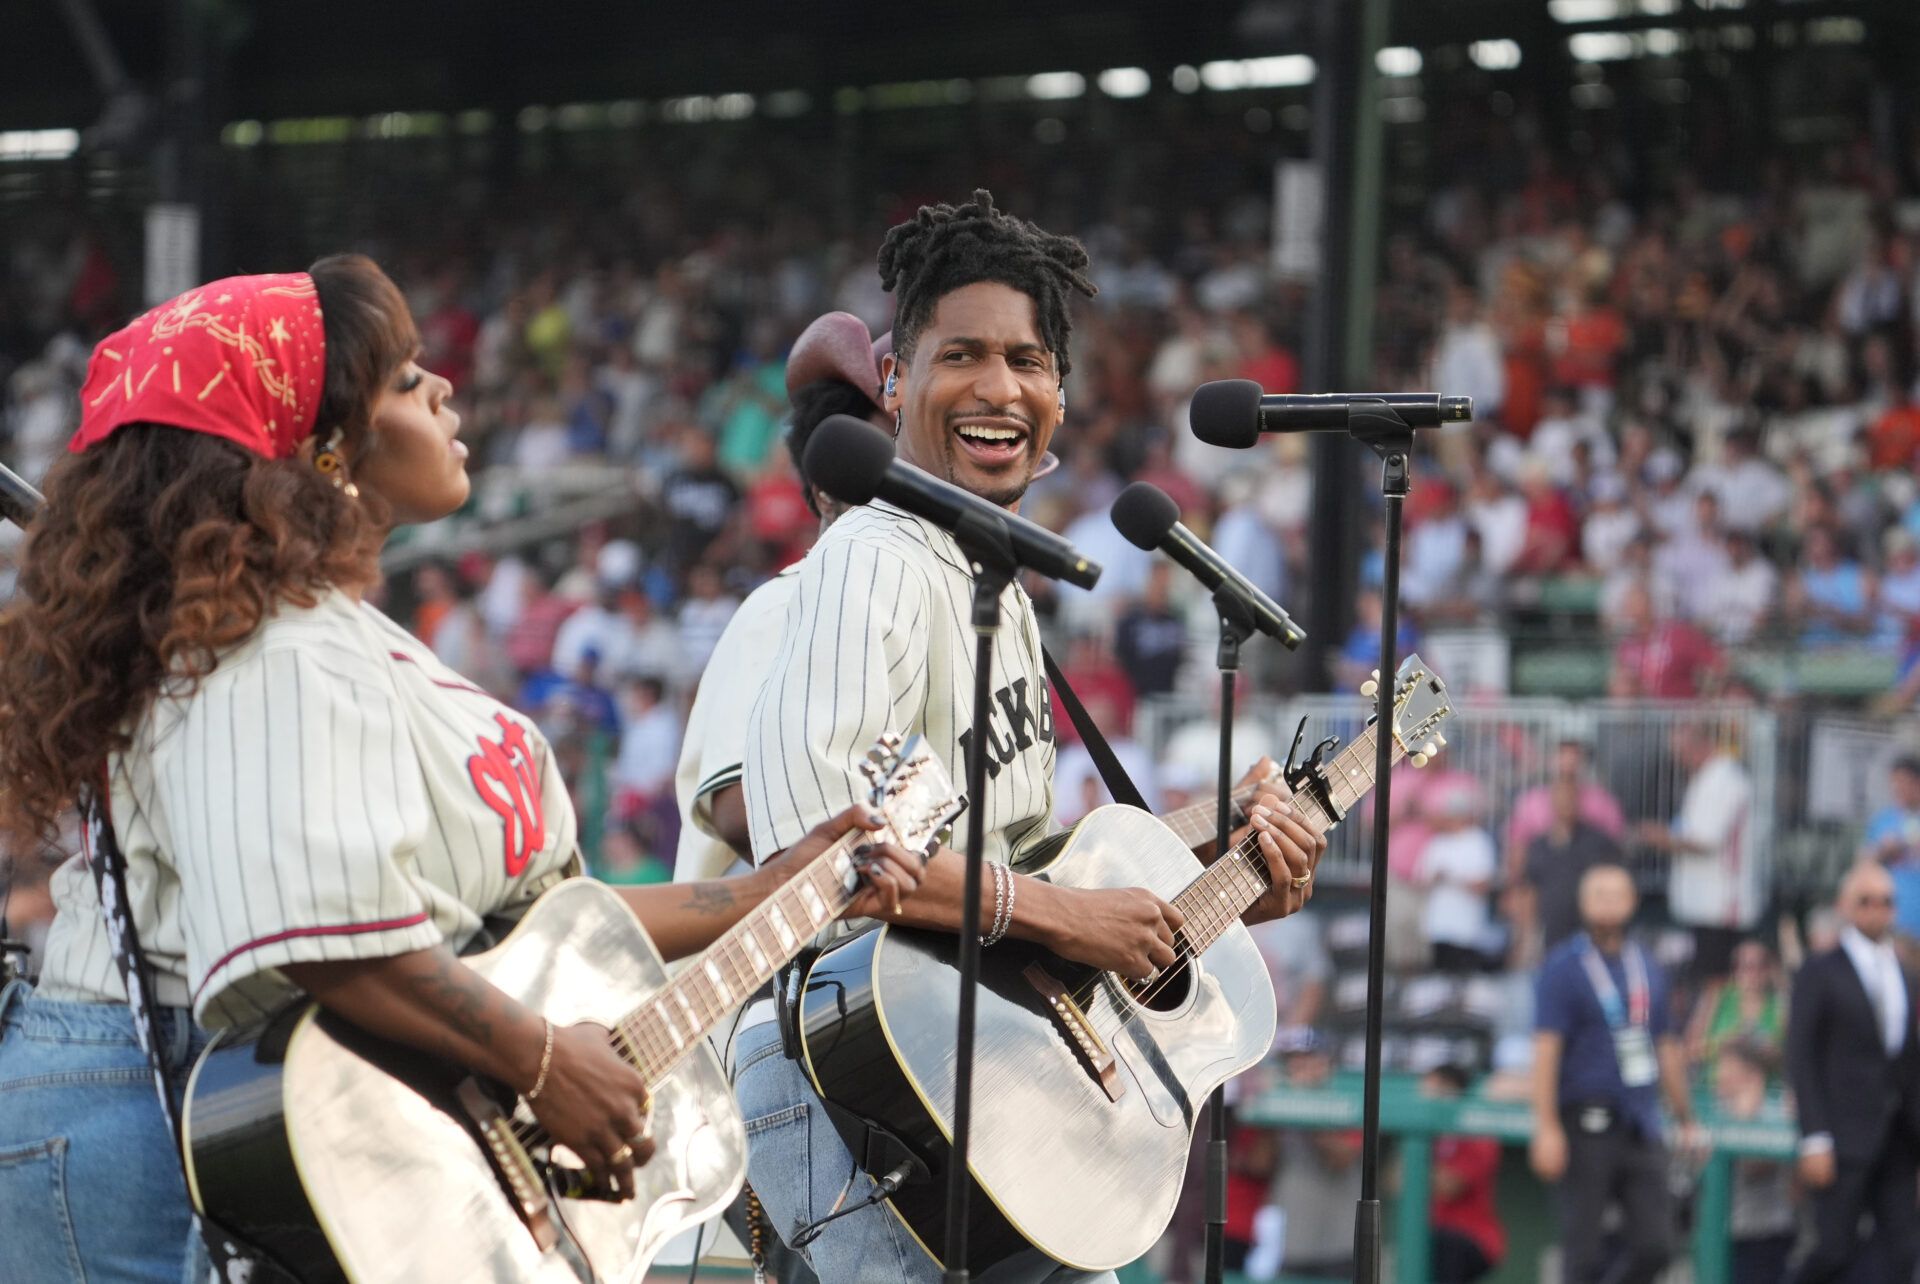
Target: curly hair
{"points": [[944, 247], [160, 548]]}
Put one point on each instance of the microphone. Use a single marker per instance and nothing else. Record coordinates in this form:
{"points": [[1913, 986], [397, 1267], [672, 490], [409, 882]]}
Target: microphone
{"points": [[1149, 518], [853, 461], [1234, 412], [19, 501]]}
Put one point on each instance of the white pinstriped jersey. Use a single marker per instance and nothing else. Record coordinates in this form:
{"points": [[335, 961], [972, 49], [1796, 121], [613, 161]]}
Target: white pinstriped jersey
{"points": [[330, 791], [878, 638], [714, 749]]}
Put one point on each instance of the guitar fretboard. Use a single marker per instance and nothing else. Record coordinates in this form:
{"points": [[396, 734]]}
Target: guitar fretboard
{"points": [[1216, 899], [655, 1035]]}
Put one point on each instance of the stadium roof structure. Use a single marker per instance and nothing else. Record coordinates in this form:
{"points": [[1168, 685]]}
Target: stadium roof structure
{"points": [[267, 60]]}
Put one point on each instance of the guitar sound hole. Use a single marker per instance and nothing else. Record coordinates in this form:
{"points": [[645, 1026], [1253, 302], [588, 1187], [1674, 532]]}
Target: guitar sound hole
{"points": [[1165, 993]]}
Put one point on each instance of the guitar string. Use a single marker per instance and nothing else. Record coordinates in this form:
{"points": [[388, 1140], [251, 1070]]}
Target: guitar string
{"points": [[647, 1046], [1184, 954], [536, 1134]]}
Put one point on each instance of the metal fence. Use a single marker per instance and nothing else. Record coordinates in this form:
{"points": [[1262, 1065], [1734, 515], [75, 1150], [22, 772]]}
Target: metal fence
{"points": [[1504, 747]]}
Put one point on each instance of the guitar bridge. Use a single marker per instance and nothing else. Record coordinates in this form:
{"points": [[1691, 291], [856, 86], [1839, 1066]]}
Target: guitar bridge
{"points": [[1078, 1027], [517, 1169]]}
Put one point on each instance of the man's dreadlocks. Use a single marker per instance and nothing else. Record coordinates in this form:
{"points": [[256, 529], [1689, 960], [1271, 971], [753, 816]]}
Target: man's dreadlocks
{"points": [[945, 247]]}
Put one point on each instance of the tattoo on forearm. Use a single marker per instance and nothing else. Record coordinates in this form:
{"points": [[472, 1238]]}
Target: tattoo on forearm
{"points": [[457, 995], [711, 899]]}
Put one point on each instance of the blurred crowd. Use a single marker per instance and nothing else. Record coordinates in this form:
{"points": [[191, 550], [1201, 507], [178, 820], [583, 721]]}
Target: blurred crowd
{"points": [[1698, 404]]}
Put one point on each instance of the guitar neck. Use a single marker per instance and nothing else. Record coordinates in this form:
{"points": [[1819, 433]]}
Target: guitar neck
{"points": [[655, 1035], [1195, 822], [1216, 899]]}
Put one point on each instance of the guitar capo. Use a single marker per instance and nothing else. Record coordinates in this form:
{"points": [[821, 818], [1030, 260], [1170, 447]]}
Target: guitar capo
{"points": [[1310, 777]]}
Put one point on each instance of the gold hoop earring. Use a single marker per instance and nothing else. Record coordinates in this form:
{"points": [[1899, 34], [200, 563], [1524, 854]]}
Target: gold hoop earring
{"points": [[331, 464]]}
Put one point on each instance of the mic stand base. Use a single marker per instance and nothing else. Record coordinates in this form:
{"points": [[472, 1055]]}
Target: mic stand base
{"points": [[1236, 626]]}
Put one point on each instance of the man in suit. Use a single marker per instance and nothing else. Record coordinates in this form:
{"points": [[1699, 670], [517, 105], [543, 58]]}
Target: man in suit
{"points": [[1854, 1063]]}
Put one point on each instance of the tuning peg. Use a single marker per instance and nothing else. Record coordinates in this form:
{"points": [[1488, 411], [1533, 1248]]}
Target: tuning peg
{"points": [[1439, 741], [1419, 760], [1431, 749], [1369, 688], [891, 739], [869, 769]]}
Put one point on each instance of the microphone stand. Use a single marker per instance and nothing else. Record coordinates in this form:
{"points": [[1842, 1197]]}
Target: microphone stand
{"points": [[1383, 431], [1236, 626], [990, 549]]}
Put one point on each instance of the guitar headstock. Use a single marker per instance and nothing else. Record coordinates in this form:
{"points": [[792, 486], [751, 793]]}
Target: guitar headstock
{"points": [[1421, 707], [909, 786]]}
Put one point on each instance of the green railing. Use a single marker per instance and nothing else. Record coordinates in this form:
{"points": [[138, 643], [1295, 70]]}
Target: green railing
{"points": [[1415, 1120]]}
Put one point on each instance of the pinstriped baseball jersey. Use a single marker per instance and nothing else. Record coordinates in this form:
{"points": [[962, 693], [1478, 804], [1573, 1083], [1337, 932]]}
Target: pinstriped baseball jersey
{"points": [[714, 749], [330, 791], [878, 638]]}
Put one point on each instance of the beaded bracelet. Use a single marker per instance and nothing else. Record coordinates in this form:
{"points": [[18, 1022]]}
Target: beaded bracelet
{"points": [[546, 1063]]}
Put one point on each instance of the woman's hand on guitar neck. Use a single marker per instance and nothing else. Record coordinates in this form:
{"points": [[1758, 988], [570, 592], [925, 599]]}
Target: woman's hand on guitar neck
{"points": [[889, 874], [1291, 848]]}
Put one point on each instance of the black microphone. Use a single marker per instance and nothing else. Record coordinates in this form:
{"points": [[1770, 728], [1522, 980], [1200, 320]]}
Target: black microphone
{"points": [[1234, 412], [1149, 518], [853, 461], [19, 501]]}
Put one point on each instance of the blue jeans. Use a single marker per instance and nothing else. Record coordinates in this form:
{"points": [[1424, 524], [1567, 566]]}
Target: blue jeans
{"points": [[90, 1181], [802, 1171]]}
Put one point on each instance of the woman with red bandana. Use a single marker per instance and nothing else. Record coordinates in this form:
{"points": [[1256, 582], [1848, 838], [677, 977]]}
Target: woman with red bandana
{"points": [[307, 802]]}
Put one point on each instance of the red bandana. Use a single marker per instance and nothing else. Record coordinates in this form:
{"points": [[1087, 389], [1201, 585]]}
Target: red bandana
{"points": [[242, 358]]}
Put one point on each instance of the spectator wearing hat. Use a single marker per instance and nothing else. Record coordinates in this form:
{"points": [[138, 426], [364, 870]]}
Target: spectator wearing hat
{"points": [[1457, 868]]}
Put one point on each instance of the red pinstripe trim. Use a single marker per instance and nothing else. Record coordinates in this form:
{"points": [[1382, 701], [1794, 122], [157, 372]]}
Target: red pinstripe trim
{"points": [[456, 686], [336, 929]]}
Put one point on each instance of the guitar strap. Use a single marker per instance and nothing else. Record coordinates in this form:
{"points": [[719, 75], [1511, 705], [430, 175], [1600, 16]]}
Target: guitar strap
{"points": [[1112, 774], [233, 1261]]}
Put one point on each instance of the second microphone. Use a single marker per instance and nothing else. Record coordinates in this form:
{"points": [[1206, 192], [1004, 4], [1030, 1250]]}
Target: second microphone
{"points": [[1150, 519]]}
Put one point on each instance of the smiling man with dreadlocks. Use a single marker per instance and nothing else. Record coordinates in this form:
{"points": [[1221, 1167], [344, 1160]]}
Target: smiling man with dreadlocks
{"points": [[877, 640]]}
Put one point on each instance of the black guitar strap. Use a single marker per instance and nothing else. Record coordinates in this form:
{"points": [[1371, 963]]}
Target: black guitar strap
{"points": [[233, 1262], [1112, 774]]}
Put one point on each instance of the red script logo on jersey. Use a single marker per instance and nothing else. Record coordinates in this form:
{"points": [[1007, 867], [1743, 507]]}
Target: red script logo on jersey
{"points": [[507, 780]]}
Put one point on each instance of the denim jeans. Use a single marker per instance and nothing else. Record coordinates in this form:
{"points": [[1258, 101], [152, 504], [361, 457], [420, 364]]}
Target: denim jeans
{"points": [[802, 1171], [90, 1182]]}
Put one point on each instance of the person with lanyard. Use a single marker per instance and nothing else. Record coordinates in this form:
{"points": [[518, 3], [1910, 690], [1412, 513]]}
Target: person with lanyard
{"points": [[1603, 1054], [292, 798], [877, 634]]}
